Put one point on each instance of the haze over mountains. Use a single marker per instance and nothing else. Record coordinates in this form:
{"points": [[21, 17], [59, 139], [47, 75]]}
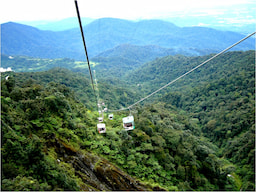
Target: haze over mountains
{"points": [[227, 21], [104, 35]]}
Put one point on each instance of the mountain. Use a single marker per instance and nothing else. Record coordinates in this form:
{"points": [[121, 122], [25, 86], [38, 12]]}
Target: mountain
{"points": [[18, 39], [114, 62], [107, 33], [243, 25], [198, 135], [61, 25], [161, 71], [144, 53], [120, 60]]}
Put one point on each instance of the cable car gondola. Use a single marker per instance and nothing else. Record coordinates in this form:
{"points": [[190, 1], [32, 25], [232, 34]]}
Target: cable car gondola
{"points": [[100, 119], [110, 116], [128, 123], [101, 128]]}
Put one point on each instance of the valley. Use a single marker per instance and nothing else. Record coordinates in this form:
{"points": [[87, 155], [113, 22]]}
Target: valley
{"points": [[197, 134]]}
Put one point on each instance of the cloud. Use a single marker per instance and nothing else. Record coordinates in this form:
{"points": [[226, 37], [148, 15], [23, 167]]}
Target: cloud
{"points": [[2, 70], [240, 20], [32, 10], [202, 25]]}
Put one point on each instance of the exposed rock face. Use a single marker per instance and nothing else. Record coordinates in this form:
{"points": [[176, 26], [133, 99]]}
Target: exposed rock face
{"points": [[97, 173]]}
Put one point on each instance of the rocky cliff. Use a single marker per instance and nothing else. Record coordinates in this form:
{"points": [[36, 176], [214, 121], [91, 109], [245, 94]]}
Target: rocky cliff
{"points": [[97, 173]]}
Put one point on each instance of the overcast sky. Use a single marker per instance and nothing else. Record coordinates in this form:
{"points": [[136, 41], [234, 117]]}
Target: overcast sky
{"points": [[34, 10]]}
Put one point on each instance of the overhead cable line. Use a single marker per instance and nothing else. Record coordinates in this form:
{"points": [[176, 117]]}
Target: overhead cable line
{"points": [[85, 49], [173, 81]]}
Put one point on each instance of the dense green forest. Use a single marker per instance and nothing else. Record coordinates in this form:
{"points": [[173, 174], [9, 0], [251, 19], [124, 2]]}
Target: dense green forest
{"points": [[196, 135]]}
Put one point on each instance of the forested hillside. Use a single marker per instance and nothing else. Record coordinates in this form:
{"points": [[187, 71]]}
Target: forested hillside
{"points": [[159, 72], [48, 138], [197, 135], [220, 95], [225, 108], [44, 145]]}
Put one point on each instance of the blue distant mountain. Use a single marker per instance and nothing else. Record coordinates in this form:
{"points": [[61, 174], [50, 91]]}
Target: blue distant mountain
{"points": [[104, 34], [61, 25]]}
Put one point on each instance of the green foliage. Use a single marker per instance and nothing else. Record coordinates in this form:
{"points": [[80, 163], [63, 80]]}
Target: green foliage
{"points": [[24, 184], [225, 108], [191, 140]]}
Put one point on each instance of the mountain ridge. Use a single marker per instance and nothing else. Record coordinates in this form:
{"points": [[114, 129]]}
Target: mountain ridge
{"points": [[105, 34]]}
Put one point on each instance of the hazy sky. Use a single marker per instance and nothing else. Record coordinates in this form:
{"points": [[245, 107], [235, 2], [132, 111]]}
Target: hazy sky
{"points": [[34, 10]]}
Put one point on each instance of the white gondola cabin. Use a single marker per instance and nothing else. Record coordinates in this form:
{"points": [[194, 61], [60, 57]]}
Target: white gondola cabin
{"points": [[128, 123], [101, 128], [110, 116], [100, 119]]}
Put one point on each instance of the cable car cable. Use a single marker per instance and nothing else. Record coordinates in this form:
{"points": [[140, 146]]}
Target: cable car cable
{"points": [[173, 81], [85, 49]]}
